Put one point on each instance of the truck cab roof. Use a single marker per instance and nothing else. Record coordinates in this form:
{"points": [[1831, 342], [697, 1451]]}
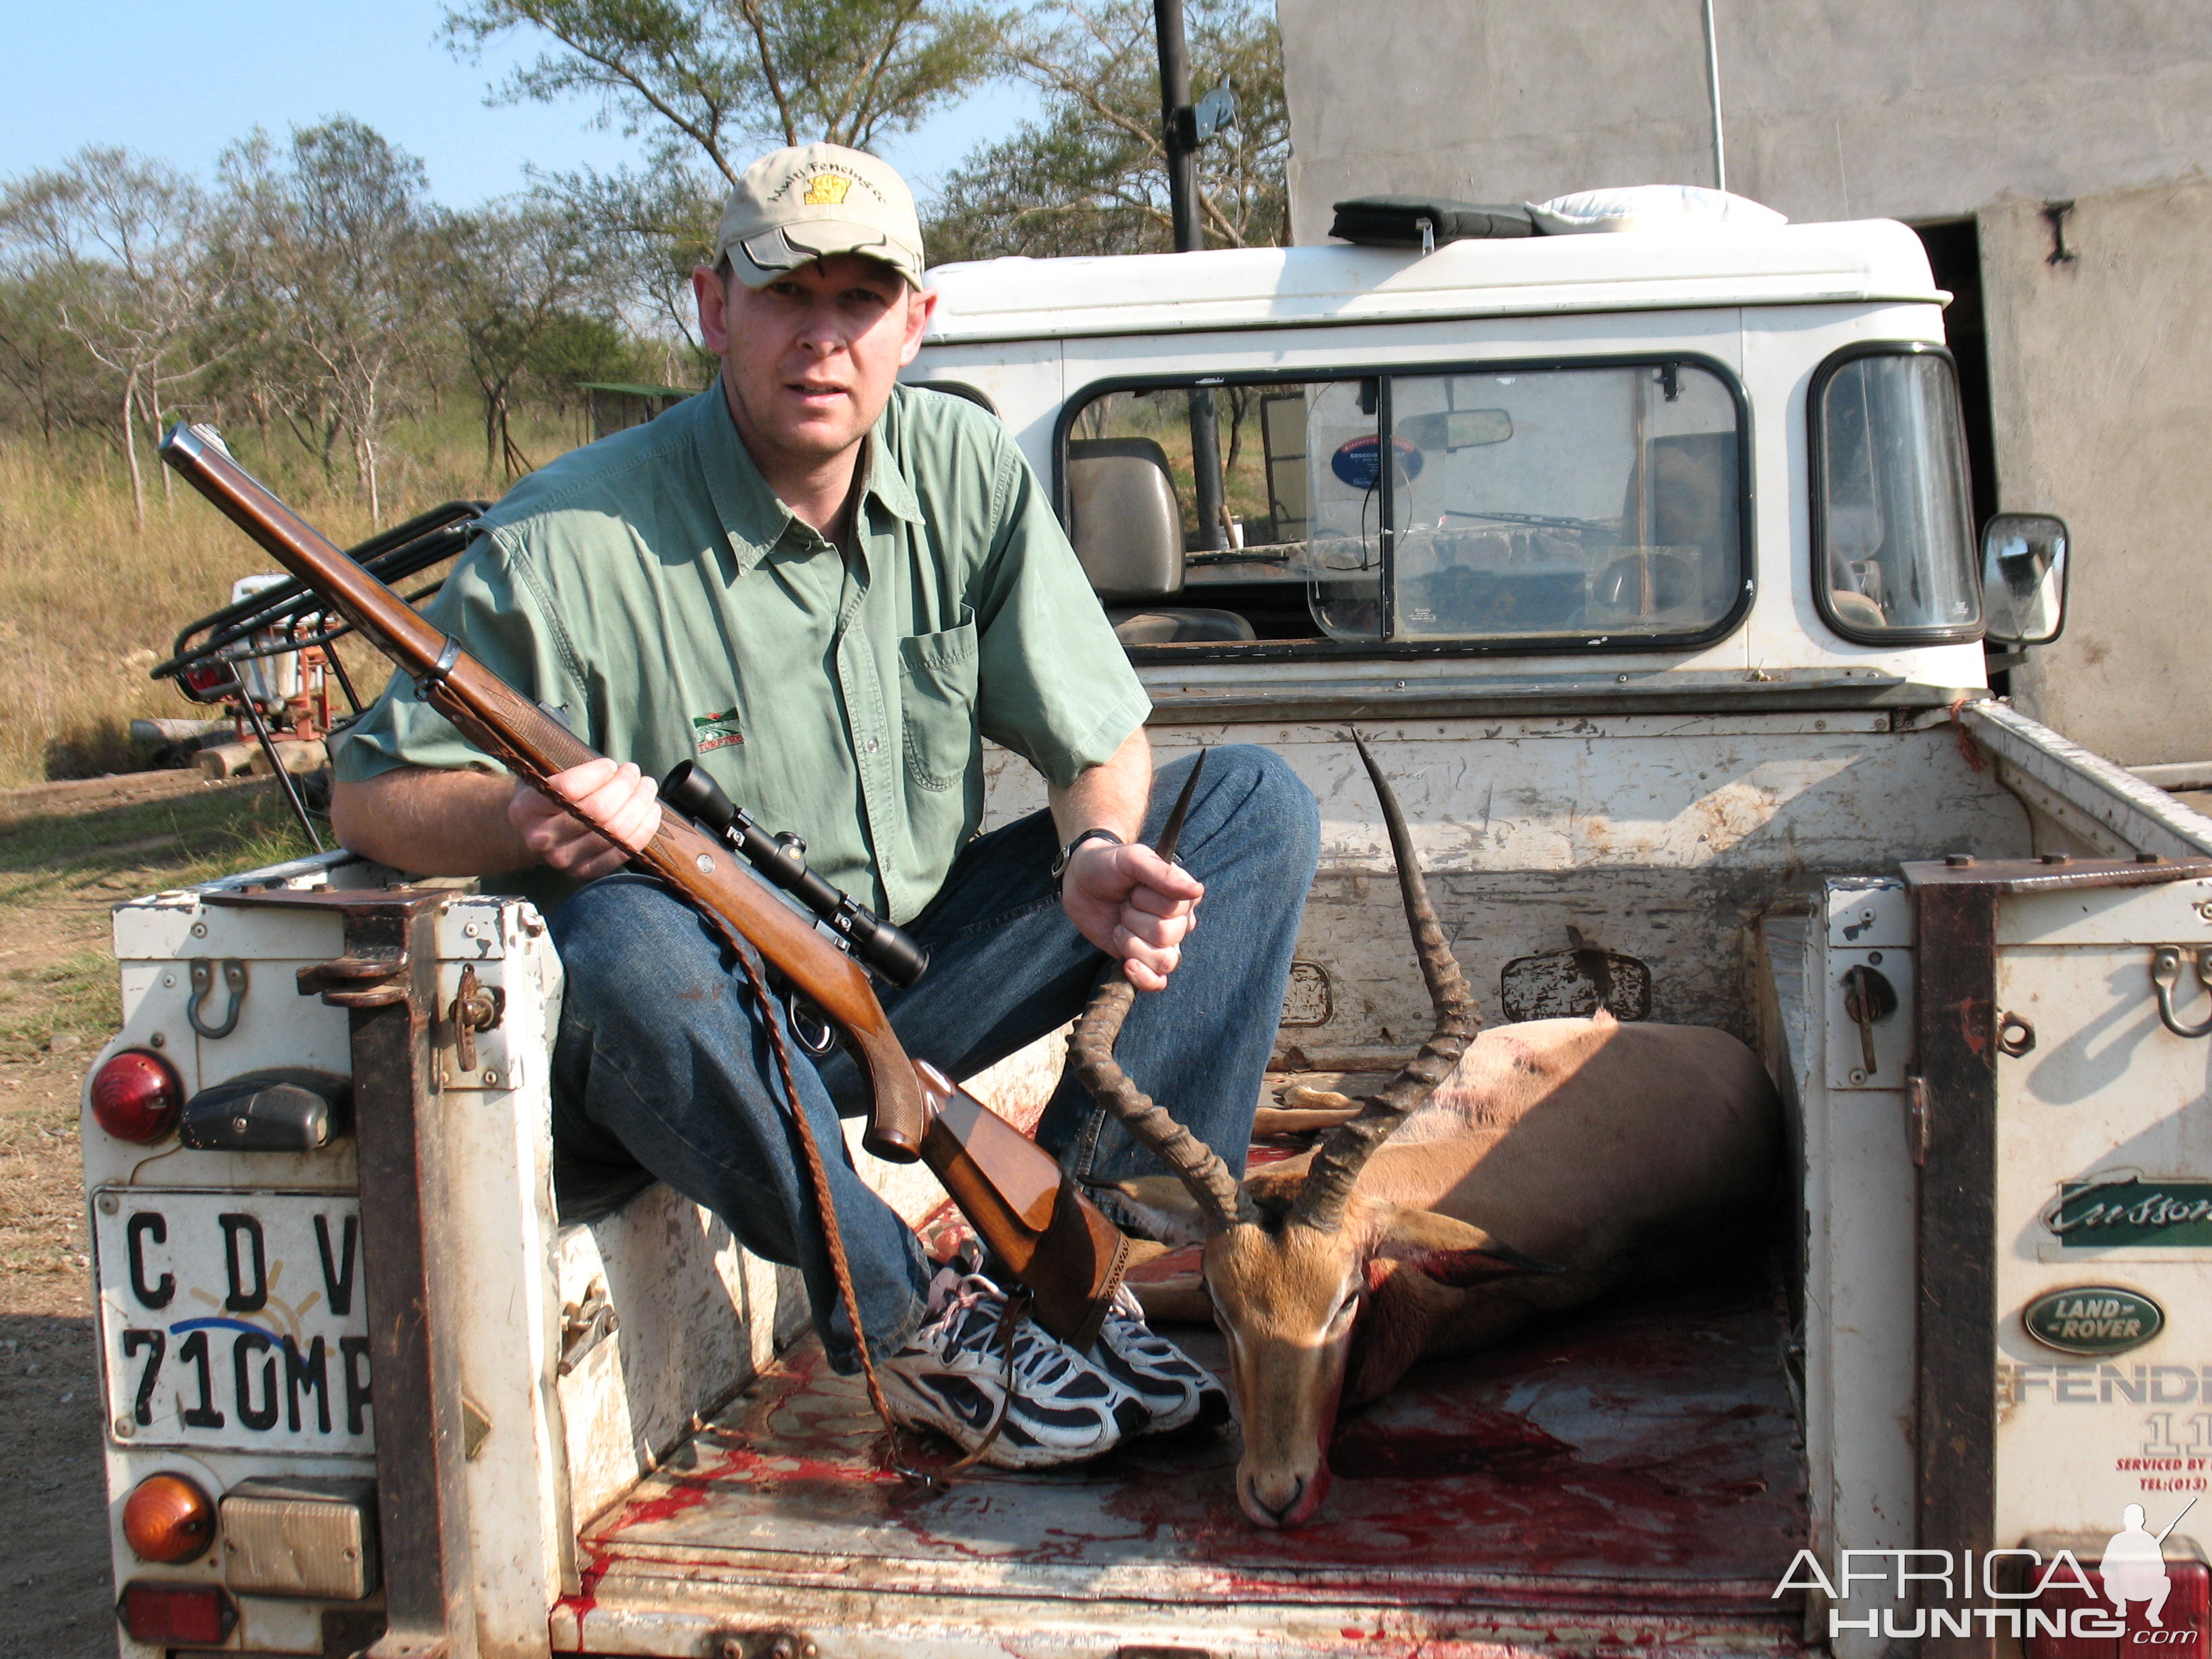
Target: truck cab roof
{"points": [[1722, 464], [1860, 261]]}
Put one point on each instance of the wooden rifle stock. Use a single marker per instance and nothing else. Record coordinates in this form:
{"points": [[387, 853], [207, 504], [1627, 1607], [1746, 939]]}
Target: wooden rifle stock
{"points": [[1011, 1190]]}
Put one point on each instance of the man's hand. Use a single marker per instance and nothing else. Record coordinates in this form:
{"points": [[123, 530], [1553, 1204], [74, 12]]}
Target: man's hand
{"points": [[1131, 904], [619, 801]]}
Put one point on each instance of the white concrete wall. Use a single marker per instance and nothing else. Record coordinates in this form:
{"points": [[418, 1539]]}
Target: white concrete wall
{"points": [[2100, 372], [1879, 107]]}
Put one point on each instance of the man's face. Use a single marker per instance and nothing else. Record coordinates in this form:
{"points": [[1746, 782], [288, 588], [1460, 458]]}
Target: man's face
{"points": [[810, 359]]}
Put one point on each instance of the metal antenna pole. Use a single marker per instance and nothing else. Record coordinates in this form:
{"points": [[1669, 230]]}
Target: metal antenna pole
{"points": [[1177, 125], [1179, 130], [1713, 93]]}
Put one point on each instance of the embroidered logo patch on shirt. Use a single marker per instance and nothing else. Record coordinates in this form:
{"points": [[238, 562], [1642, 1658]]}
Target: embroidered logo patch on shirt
{"points": [[716, 731]]}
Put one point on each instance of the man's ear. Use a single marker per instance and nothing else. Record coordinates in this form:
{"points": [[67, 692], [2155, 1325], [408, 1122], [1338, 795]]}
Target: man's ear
{"points": [[921, 306], [709, 288]]}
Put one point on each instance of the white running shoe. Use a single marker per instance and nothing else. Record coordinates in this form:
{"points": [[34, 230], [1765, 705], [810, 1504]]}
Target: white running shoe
{"points": [[1176, 1390], [952, 1376]]}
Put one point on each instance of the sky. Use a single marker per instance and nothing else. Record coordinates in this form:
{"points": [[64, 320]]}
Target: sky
{"points": [[182, 83]]}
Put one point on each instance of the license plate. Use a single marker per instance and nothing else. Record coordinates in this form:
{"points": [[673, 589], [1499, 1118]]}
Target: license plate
{"points": [[233, 1321]]}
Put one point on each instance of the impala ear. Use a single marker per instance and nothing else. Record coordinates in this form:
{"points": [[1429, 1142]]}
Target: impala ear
{"points": [[1464, 1269], [1452, 1252], [1153, 1207]]}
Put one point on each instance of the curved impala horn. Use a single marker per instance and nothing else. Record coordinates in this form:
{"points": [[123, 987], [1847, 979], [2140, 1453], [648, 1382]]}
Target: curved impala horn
{"points": [[1335, 1168], [1220, 1198]]}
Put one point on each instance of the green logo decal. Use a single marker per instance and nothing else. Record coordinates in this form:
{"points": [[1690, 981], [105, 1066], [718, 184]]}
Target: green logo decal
{"points": [[2093, 1319], [2159, 1212], [716, 731]]}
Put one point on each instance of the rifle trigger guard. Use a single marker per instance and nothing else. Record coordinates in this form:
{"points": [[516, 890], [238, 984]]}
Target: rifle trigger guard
{"points": [[435, 676], [816, 1035]]}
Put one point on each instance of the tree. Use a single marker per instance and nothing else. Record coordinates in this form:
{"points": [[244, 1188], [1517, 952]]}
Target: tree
{"points": [[334, 240], [1090, 176], [707, 75], [645, 233], [578, 346], [511, 275], [41, 362], [121, 246]]}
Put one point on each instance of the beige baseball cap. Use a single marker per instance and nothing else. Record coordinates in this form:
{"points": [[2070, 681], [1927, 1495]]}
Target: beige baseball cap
{"points": [[797, 205]]}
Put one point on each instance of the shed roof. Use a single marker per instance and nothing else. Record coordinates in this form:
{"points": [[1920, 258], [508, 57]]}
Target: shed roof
{"points": [[636, 389], [1871, 260]]}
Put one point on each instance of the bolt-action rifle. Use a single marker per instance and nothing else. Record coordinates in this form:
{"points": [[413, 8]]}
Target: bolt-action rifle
{"points": [[1013, 1194]]}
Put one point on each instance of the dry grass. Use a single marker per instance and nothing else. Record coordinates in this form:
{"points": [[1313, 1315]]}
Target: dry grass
{"points": [[86, 605], [60, 877]]}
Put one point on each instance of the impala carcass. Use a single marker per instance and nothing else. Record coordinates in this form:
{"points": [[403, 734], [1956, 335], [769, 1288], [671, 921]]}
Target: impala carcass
{"points": [[1526, 1172]]}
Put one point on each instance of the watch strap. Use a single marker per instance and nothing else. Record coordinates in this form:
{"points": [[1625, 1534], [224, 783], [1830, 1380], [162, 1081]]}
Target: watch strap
{"points": [[1060, 864]]}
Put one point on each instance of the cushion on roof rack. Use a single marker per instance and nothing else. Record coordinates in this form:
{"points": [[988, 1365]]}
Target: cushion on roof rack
{"points": [[1653, 207], [1394, 221]]}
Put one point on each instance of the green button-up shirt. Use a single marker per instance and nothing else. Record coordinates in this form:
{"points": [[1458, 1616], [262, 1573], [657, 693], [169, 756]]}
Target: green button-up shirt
{"points": [[653, 590]]}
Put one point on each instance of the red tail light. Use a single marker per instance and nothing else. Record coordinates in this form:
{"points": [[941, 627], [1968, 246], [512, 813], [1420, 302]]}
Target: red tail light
{"points": [[136, 1096], [164, 1615]]}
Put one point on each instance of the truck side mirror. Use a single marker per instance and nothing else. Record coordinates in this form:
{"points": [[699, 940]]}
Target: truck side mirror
{"points": [[2024, 578]]}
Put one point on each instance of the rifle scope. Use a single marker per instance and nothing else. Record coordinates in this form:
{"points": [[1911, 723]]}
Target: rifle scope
{"points": [[782, 859]]}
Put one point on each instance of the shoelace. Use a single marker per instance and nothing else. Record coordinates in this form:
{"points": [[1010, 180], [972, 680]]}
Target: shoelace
{"points": [[1010, 1319]]}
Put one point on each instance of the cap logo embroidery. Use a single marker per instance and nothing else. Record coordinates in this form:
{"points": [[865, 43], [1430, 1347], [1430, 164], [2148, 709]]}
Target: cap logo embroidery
{"points": [[712, 731], [827, 190]]}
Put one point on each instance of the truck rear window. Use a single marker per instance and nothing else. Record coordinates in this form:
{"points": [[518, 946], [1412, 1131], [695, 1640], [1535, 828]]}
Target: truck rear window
{"points": [[1547, 508]]}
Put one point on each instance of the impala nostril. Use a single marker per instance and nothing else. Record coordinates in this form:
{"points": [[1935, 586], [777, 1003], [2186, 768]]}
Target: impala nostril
{"points": [[1273, 1513]]}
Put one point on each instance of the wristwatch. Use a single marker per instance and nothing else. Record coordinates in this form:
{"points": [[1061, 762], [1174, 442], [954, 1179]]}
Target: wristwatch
{"points": [[1060, 864]]}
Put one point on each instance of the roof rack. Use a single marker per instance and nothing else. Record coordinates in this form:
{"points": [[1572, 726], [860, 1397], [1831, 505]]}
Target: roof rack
{"points": [[1425, 222]]}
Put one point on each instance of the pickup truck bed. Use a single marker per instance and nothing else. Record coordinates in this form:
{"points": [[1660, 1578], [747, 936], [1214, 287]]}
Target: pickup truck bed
{"points": [[1633, 1476]]}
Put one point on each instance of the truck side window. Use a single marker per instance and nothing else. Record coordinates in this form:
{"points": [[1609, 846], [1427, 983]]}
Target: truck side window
{"points": [[1543, 507], [1893, 532], [1168, 575]]}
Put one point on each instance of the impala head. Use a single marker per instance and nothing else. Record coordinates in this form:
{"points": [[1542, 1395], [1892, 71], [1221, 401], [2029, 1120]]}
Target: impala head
{"points": [[1314, 1316], [1294, 1266]]}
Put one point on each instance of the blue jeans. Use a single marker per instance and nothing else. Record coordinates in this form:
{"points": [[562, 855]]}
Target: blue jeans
{"points": [[662, 1060]]}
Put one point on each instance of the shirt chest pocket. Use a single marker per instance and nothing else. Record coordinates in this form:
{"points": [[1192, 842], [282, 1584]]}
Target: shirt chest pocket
{"points": [[937, 695]]}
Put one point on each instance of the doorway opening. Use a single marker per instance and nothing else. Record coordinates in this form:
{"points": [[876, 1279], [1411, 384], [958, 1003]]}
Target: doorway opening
{"points": [[1954, 255]]}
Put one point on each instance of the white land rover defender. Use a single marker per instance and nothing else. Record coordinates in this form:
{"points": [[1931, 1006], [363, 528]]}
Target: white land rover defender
{"points": [[1645, 564]]}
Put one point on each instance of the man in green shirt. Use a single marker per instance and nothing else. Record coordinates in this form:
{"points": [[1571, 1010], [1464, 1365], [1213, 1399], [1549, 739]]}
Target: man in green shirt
{"points": [[826, 590]]}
